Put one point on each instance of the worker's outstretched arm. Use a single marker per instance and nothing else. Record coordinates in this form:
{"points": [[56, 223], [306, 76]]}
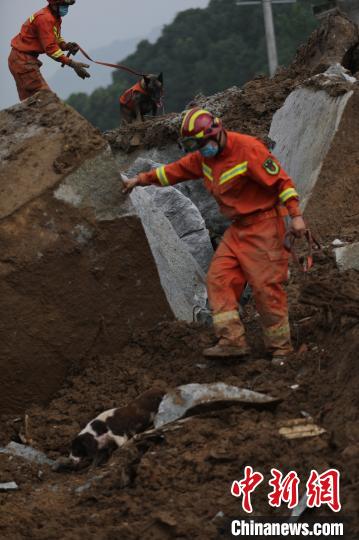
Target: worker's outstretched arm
{"points": [[187, 168]]}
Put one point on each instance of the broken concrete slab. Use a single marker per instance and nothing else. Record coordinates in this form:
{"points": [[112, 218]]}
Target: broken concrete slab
{"points": [[26, 452], [313, 133], [347, 257], [9, 486], [183, 399], [183, 214], [182, 278], [76, 271], [144, 160]]}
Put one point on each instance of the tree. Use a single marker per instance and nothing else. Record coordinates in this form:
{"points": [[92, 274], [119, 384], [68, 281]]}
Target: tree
{"points": [[203, 50]]}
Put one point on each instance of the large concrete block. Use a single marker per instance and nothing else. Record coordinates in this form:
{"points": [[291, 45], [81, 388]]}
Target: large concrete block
{"points": [[182, 213], [76, 271], [316, 133], [182, 278]]}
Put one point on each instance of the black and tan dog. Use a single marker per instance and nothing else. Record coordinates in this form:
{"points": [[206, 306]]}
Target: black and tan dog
{"points": [[145, 97], [110, 430]]}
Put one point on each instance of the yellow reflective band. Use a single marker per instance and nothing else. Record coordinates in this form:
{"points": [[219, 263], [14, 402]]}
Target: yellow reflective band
{"points": [[56, 32], [32, 18], [199, 135], [184, 119], [241, 168], [162, 177], [226, 316], [283, 330], [207, 171], [287, 194], [61, 39], [194, 118], [57, 54]]}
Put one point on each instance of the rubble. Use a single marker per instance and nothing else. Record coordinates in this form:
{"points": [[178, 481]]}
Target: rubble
{"points": [[73, 251], [181, 277], [314, 147], [9, 486], [150, 492], [184, 216], [27, 453], [183, 399], [347, 257], [299, 428]]}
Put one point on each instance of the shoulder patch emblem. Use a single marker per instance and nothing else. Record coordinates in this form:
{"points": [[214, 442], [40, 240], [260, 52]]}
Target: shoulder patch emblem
{"points": [[271, 167]]}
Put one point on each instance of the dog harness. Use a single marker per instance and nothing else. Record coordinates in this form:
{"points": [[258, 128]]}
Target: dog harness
{"points": [[127, 98]]}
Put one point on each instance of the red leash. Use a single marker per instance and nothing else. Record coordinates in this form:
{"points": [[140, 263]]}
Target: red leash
{"points": [[115, 66], [305, 263]]}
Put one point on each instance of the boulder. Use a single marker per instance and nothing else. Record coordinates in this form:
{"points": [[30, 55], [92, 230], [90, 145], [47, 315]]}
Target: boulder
{"points": [[182, 278], [76, 271], [347, 257], [183, 214], [315, 134]]}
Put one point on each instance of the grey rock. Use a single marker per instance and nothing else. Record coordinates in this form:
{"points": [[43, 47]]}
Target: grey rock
{"points": [[181, 400], [88, 484], [26, 452], [303, 130], [184, 216], [181, 276], [347, 257], [193, 189], [96, 184], [9, 486], [299, 509]]}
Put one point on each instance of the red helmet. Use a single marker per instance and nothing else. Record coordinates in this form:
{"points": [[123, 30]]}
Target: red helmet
{"points": [[59, 2], [200, 124]]}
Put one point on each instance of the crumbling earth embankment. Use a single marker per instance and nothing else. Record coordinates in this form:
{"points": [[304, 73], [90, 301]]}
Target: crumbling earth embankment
{"points": [[73, 251]]}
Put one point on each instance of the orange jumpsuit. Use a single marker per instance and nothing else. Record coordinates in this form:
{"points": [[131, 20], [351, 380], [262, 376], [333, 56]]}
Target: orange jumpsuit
{"points": [[127, 97], [254, 192], [40, 34]]}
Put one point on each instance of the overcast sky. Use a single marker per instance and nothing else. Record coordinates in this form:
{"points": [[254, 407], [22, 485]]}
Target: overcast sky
{"points": [[93, 23]]}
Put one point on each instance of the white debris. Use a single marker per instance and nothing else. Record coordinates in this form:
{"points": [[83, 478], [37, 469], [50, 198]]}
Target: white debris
{"points": [[9, 486], [347, 257], [177, 403], [338, 243]]}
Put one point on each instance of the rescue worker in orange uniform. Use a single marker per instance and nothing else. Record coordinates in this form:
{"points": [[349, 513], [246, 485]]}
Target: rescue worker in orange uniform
{"points": [[40, 34], [255, 193]]}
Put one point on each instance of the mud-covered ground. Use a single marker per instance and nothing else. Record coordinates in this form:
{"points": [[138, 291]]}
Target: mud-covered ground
{"points": [[177, 484]]}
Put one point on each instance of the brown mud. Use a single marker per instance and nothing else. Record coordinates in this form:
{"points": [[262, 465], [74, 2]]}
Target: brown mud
{"points": [[176, 484]]}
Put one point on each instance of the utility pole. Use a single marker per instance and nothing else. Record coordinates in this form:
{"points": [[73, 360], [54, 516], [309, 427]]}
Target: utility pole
{"points": [[269, 29]]}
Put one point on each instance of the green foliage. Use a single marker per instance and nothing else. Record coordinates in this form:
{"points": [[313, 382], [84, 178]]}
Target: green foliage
{"points": [[203, 50]]}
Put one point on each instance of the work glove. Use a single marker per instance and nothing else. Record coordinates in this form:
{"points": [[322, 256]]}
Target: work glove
{"points": [[72, 47], [129, 184], [80, 69], [298, 226]]}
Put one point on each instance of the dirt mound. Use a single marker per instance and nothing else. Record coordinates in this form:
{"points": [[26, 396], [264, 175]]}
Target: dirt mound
{"points": [[337, 187], [73, 251], [177, 485], [329, 44]]}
